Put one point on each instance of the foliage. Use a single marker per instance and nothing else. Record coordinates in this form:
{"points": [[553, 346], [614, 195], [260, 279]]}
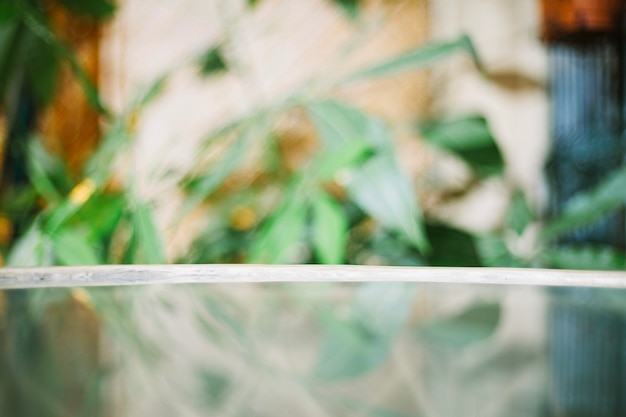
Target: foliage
{"points": [[352, 203]]}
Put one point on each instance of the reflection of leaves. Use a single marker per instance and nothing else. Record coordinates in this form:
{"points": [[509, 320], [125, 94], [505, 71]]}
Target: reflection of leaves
{"points": [[212, 61], [473, 325], [585, 257], [379, 186], [330, 229], [590, 205], [358, 344], [215, 388], [417, 58], [469, 138]]}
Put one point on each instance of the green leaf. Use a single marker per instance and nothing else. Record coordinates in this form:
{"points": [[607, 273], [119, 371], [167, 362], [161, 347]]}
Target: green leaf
{"points": [[100, 165], [203, 185], [470, 139], [379, 186], [38, 164], [417, 58], [382, 190], [587, 206], [384, 307], [339, 124], [212, 61], [519, 215], [102, 213], [475, 324], [493, 252], [349, 350], [584, 257], [41, 66], [149, 93], [8, 11], [451, 247], [284, 228], [349, 7], [358, 344], [252, 3], [149, 247], [346, 155], [47, 172], [31, 249], [93, 8], [330, 230], [37, 24], [11, 40], [72, 247]]}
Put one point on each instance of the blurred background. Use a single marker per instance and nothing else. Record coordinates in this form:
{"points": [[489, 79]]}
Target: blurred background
{"points": [[370, 132]]}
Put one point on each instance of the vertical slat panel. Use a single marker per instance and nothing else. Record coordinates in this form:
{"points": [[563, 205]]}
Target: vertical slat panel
{"points": [[585, 344]]}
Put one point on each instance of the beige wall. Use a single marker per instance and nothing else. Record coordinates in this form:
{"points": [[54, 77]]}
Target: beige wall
{"points": [[513, 99]]}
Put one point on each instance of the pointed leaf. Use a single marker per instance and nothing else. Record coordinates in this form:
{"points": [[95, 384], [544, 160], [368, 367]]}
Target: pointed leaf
{"points": [[588, 206], [275, 242], [205, 184], [102, 213], [493, 252], [418, 58], [470, 139], [519, 215], [72, 247], [330, 230], [379, 186], [349, 7], [384, 192], [212, 61], [31, 249], [149, 245], [451, 247], [344, 156], [585, 257]]}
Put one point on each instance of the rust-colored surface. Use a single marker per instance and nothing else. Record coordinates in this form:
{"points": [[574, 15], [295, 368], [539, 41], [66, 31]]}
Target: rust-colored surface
{"points": [[70, 125], [563, 19]]}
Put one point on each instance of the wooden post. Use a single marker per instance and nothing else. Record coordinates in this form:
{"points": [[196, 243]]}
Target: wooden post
{"points": [[586, 86]]}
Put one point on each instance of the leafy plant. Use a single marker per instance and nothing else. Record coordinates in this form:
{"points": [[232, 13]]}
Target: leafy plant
{"points": [[352, 203]]}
